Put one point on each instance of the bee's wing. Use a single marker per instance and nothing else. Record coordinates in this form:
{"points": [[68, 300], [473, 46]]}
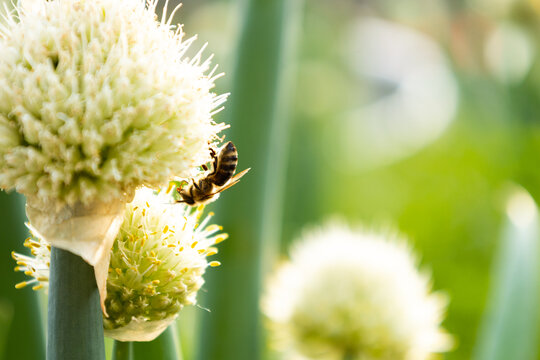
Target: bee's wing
{"points": [[233, 181], [237, 177]]}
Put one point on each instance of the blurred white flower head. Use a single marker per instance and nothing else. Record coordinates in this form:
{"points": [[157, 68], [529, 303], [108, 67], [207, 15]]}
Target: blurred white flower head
{"points": [[413, 94], [353, 294], [157, 263], [98, 98]]}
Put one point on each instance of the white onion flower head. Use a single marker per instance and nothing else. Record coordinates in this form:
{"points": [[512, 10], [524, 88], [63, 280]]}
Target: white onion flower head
{"points": [[353, 294], [96, 99], [157, 264]]}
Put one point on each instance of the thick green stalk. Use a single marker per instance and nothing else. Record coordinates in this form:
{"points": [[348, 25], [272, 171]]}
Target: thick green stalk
{"points": [[251, 212], [164, 347], [75, 322], [122, 350], [25, 338], [510, 325]]}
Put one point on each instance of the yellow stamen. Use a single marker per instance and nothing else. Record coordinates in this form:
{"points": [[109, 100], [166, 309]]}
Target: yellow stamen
{"points": [[185, 223], [221, 238], [213, 227], [21, 285], [214, 263], [211, 252]]}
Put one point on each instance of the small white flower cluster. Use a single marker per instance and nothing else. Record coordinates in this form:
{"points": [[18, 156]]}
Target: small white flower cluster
{"points": [[37, 266], [97, 98], [353, 295], [157, 263]]}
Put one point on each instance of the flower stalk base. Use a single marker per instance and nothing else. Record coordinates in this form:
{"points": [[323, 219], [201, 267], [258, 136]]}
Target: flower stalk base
{"points": [[164, 347], [123, 350], [75, 320]]}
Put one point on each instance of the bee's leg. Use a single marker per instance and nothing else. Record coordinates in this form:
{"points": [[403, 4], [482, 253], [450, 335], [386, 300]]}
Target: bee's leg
{"points": [[214, 163], [195, 185], [182, 195], [191, 194], [205, 168]]}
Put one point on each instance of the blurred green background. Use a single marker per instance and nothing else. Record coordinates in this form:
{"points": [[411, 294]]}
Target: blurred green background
{"points": [[415, 114], [412, 114]]}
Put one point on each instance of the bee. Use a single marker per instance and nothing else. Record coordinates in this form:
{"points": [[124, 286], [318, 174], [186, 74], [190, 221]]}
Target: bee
{"points": [[207, 188]]}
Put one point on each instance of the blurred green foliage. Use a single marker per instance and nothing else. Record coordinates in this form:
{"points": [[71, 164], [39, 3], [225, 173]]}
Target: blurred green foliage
{"points": [[510, 327], [19, 309], [447, 197], [6, 315], [257, 112]]}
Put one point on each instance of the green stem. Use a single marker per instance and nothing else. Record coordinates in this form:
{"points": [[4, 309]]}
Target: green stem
{"points": [[510, 328], [251, 212], [164, 347], [75, 322], [122, 350]]}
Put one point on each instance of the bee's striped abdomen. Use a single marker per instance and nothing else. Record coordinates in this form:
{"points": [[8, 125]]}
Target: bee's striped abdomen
{"points": [[226, 165]]}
